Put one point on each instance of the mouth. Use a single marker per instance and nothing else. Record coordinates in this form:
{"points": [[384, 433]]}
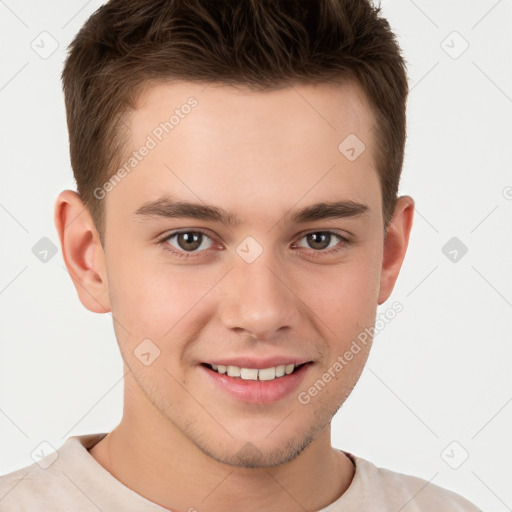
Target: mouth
{"points": [[256, 385], [262, 374]]}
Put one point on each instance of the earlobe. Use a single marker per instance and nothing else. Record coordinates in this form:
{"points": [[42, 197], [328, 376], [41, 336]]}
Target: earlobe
{"points": [[395, 245], [82, 251]]}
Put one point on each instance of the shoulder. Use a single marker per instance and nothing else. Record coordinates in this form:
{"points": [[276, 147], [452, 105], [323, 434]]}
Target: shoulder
{"points": [[30, 487], [48, 484], [389, 490]]}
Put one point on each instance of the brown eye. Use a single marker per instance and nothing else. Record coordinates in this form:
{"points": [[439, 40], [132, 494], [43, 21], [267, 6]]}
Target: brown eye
{"points": [[321, 240], [188, 241]]}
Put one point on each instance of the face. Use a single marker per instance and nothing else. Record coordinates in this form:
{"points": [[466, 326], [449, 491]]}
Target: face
{"points": [[278, 264]]}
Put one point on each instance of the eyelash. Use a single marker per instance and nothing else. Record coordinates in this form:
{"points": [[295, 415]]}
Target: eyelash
{"points": [[183, 254]]}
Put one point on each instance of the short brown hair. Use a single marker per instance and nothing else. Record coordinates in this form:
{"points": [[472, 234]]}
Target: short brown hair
{"points": [[262, 44]]}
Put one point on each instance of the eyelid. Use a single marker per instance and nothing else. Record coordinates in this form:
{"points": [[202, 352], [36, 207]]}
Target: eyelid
{"points": [[186, 230], [345, 235], [344, 239], [165, 238]]}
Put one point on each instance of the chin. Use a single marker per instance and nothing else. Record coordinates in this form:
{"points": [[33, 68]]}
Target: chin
{"points": [[257, 454]]}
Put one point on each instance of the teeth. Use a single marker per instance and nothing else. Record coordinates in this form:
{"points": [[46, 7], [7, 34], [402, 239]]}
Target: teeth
{"points": [[249, 373], [267, 374], [233, 371], [255, 373]]}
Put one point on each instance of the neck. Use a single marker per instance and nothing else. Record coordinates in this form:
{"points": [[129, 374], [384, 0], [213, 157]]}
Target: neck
{"points": [[152, 457]]}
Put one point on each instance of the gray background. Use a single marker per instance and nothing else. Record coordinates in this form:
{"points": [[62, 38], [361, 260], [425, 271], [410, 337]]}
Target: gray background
{"points": [[435, 398]]}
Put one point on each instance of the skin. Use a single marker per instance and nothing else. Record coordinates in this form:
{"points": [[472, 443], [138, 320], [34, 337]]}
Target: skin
{"points": [[182, 443]]}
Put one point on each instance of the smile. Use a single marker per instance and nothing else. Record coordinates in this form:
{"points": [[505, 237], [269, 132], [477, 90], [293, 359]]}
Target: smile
{"points": [[265, 374], [256, 385]]}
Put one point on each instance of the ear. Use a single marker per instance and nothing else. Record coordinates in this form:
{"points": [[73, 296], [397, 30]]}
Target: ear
{"points": [[395, 245], [82, 251]]}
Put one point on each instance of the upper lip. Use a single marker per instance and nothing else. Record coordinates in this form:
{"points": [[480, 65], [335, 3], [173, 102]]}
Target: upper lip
{"points": [[251, 362]]}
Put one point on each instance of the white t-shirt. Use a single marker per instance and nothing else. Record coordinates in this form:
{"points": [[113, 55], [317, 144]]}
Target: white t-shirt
{"points": [[72, 480]]}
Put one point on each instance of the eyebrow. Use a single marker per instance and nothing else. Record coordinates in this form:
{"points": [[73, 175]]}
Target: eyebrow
{"points": [[166, 207]]}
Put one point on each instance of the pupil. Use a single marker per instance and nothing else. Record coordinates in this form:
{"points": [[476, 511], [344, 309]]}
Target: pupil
{"points": [[192, 239], [319, 240]]}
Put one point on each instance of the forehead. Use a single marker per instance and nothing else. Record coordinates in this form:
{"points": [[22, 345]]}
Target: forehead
{"points": [[208, 141], [236, 113]]}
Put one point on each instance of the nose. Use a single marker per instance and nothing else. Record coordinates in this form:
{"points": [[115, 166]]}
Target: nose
{"points": [[258, 299]]}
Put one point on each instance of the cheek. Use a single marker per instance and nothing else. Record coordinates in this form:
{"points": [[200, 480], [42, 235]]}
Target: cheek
{"points": [[345, 296], [153, 299]]}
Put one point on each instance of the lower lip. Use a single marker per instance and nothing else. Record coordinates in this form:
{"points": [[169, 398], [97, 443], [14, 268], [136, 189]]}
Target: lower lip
{"points": [[257, 391]]}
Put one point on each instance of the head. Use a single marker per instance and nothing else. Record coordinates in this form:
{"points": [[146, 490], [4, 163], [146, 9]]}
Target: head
{"points": [[284, 124]]}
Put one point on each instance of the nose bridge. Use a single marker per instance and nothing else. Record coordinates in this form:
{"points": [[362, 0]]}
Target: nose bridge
{"points": [[256, 297]]}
